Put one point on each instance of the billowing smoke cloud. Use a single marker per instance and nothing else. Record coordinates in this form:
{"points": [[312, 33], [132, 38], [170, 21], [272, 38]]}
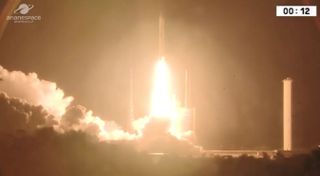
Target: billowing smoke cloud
{"points": [[39, 102], [78, 118], [17, 114], [35, 91]]}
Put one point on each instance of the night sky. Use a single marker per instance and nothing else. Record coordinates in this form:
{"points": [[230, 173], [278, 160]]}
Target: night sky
{"points": [[237, 54]]}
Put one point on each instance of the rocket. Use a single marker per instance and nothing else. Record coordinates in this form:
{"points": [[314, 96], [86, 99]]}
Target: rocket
{"points": [[161, 40]]}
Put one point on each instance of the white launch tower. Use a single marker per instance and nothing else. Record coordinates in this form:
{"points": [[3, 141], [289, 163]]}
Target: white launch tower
{"points": [[287, 114]]}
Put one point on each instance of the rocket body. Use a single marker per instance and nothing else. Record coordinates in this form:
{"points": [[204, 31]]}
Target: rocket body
{"points": [[161, 36]]}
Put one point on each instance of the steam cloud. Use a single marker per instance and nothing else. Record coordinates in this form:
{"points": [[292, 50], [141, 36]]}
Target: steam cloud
{"points": [[38, 103], [35, 91], [17, 114]]}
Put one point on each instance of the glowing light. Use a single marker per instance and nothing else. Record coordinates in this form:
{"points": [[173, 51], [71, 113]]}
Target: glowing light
{"points": [[104, 130], [163, 102]]}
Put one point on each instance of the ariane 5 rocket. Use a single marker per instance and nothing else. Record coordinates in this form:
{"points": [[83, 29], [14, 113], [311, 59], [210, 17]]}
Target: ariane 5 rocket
{"points": [[161, 44]]}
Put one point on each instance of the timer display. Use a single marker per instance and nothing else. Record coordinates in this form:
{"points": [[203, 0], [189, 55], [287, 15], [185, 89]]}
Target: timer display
{"points": [[296, 11]]}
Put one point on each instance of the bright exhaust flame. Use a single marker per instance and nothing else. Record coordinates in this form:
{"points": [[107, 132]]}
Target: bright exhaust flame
{"points": [[163, 102]]}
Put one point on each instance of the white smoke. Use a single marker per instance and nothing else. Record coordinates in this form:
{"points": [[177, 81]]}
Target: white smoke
{"points": [[105, 130], [44, 93], [35, 91]]}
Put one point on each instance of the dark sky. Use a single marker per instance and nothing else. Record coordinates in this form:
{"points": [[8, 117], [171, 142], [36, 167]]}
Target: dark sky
{"points": [[237, 54]]}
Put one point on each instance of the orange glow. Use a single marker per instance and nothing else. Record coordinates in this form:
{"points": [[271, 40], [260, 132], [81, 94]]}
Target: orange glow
{"points": [[163, 102], [163, 105]]}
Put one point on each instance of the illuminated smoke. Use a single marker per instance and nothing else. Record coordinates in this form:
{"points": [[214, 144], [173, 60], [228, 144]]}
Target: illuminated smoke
{"points": [[29, 88], [104, 130], [35, 91], [17, 114]]}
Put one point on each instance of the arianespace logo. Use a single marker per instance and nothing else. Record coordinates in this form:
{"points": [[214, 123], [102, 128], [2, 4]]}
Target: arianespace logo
{"points": [[23, 8], [20, 14]]}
